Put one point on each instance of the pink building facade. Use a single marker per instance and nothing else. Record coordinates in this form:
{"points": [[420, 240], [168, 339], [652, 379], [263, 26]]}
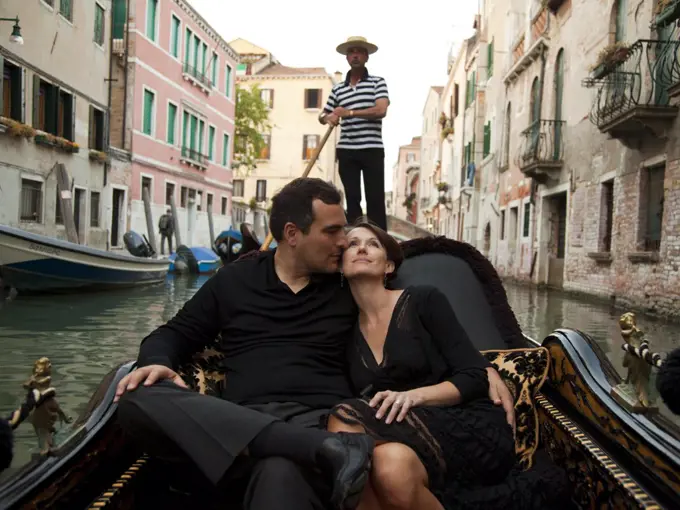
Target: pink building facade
{"points": [[173, 111]]}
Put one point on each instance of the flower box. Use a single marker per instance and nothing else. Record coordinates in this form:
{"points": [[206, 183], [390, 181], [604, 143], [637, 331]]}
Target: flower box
{"points": [[16, 129], [98, 156]]}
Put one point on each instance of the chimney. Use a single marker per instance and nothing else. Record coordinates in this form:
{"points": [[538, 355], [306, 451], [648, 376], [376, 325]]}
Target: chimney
{"points": [[338, 77]]}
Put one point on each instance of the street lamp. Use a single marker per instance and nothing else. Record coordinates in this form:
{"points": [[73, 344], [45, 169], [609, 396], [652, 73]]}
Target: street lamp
{"points": [[15, 37]]}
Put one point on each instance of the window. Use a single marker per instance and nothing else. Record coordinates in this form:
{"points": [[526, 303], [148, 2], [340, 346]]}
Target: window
{"points": [[313, 98], [502, 224], [53, 109], [147, 184], [94, 209], [11, 91], [183, 196], [169, 193], [527, 219], [149, 112], [119, 18], [172, 123], [98, 24], [58, 216], [652, 211], [223, 206], [607, 215], [151, 12], [265, 153], [261, 190], [211, 143], [267, 96], [470, 89], [410, 157], [309, 145], [97, 125], [175, 25], [238, 188], [559, 92], [487, 140], [227, 81], [31, 201], [489, 57], [192, 138], [225, 149], [215, 63], [513, 223], [188, 36], [66, 9]]}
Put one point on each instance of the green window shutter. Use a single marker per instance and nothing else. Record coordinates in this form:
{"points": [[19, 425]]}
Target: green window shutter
{"points": [[201, 130], [225, 149], [36, 101], [2, 82], [151, 8], [227, 81], [172, 122], [621, 20], [211, 143], [174, 37], [147, 125], [490, 58], [187, 46], [214, 69], [487, 139], [197, 47], [119, 18], [98, 24], [185, 130], [204, 61], [192, 130]]}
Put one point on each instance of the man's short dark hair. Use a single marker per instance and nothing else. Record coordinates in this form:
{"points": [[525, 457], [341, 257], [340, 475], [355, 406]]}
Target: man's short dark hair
{"points": [[293, 204]]}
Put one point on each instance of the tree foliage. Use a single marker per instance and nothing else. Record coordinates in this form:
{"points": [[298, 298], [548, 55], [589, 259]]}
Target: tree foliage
{"points": [[252, 120]]}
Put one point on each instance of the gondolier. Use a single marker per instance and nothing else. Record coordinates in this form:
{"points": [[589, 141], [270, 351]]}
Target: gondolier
{"points": [[361, 101]]}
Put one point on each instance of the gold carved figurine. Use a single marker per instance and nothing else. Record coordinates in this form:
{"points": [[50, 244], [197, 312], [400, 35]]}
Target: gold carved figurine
{"points": [[633, 392], [45, 415]]}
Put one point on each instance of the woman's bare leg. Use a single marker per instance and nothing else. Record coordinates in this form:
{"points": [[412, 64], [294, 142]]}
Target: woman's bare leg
{"points": [[400, 480]]}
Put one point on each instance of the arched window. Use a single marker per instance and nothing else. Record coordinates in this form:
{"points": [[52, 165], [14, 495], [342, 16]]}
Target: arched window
{"points": [[535, 105], [620, 13]]}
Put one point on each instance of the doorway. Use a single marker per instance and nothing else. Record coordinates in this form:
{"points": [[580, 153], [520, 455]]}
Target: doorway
{"points": [[116, 210], [558, 239]]}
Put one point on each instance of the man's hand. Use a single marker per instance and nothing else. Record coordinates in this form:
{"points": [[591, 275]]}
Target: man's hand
{"points": [[331, 119], [341, 112], [148, 375], [500, 395]]}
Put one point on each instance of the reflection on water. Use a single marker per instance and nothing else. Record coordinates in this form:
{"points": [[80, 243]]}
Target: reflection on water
{"points": [[86, 335]]}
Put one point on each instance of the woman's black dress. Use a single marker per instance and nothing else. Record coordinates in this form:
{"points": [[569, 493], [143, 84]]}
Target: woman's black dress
{"points": [[461, 446]]}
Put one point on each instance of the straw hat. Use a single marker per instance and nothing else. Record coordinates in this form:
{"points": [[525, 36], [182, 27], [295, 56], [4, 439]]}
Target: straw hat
{"points": [[356, 42]]}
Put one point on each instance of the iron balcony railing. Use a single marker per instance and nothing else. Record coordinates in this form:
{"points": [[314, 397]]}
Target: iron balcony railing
{"points": [[541, 143], [194, 155], [642, 78], [198, 75]]}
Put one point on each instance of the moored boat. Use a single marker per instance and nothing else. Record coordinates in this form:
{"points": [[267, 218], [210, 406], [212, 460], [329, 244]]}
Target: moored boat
{"points": [[570, 413], [33, 263], [194, 260]]}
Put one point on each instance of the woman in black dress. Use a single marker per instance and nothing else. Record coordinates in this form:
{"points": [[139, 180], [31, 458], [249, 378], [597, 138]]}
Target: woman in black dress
{"points": [[423, 385]]}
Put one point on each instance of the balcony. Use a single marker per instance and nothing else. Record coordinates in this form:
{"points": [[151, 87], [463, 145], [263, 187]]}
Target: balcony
{"points": [[194, 158], [632, 99], [198, 78], [523, 57], [541, 151]]}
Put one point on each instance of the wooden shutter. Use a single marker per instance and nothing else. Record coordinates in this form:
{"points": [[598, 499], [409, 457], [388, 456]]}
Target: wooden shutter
{"points": [[72, 134], [271, 98], [304, 147], [21, 96], [105, 141], [92, 139], [36, 102]]}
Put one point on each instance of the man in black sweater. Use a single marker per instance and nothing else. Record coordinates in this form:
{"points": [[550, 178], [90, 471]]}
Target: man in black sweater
{"points": [[284, 320]]}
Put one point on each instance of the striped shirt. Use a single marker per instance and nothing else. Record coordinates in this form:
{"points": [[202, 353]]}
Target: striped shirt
{"points": [[357, 133]]}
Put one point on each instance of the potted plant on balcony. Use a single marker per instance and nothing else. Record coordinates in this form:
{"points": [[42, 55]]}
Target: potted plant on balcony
{"points": [[17, 129], [98, 156], [408, 203], [609, 57], [442, 187], [667, 11], [443, 120]]}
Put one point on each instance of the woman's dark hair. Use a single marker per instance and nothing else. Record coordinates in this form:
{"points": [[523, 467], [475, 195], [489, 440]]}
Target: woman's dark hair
{"points": [[389, 243]]}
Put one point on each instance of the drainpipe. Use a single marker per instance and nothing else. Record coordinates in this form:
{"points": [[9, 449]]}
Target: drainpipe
{"points": [[125, 73], [108, 102], [534, 184]]}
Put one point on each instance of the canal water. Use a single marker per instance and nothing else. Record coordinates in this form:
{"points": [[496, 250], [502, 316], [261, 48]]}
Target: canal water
{"points": [[86, 335]]}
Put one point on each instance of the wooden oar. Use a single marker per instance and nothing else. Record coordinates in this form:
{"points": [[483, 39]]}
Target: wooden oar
{"points": [[315, 156]]}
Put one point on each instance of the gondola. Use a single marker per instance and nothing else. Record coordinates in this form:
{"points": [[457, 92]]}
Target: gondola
{"points": [[575, 413]]}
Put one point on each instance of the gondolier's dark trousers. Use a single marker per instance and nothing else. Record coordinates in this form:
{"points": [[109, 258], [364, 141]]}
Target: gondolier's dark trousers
{"points": [[351, 163], [176, 424]]}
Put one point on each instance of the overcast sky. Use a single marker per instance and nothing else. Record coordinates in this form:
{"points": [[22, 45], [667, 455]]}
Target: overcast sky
{"points": [[413, 45]]}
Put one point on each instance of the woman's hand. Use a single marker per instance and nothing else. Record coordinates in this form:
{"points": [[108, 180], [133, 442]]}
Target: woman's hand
{"points": [[398, 403]]}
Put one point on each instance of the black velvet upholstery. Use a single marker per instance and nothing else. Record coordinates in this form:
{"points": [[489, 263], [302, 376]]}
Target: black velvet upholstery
{"points": [[471, 284]]}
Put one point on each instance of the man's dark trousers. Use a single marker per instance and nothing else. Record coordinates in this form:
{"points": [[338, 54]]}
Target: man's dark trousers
{"points": [[372, 162], [181, 425]]}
